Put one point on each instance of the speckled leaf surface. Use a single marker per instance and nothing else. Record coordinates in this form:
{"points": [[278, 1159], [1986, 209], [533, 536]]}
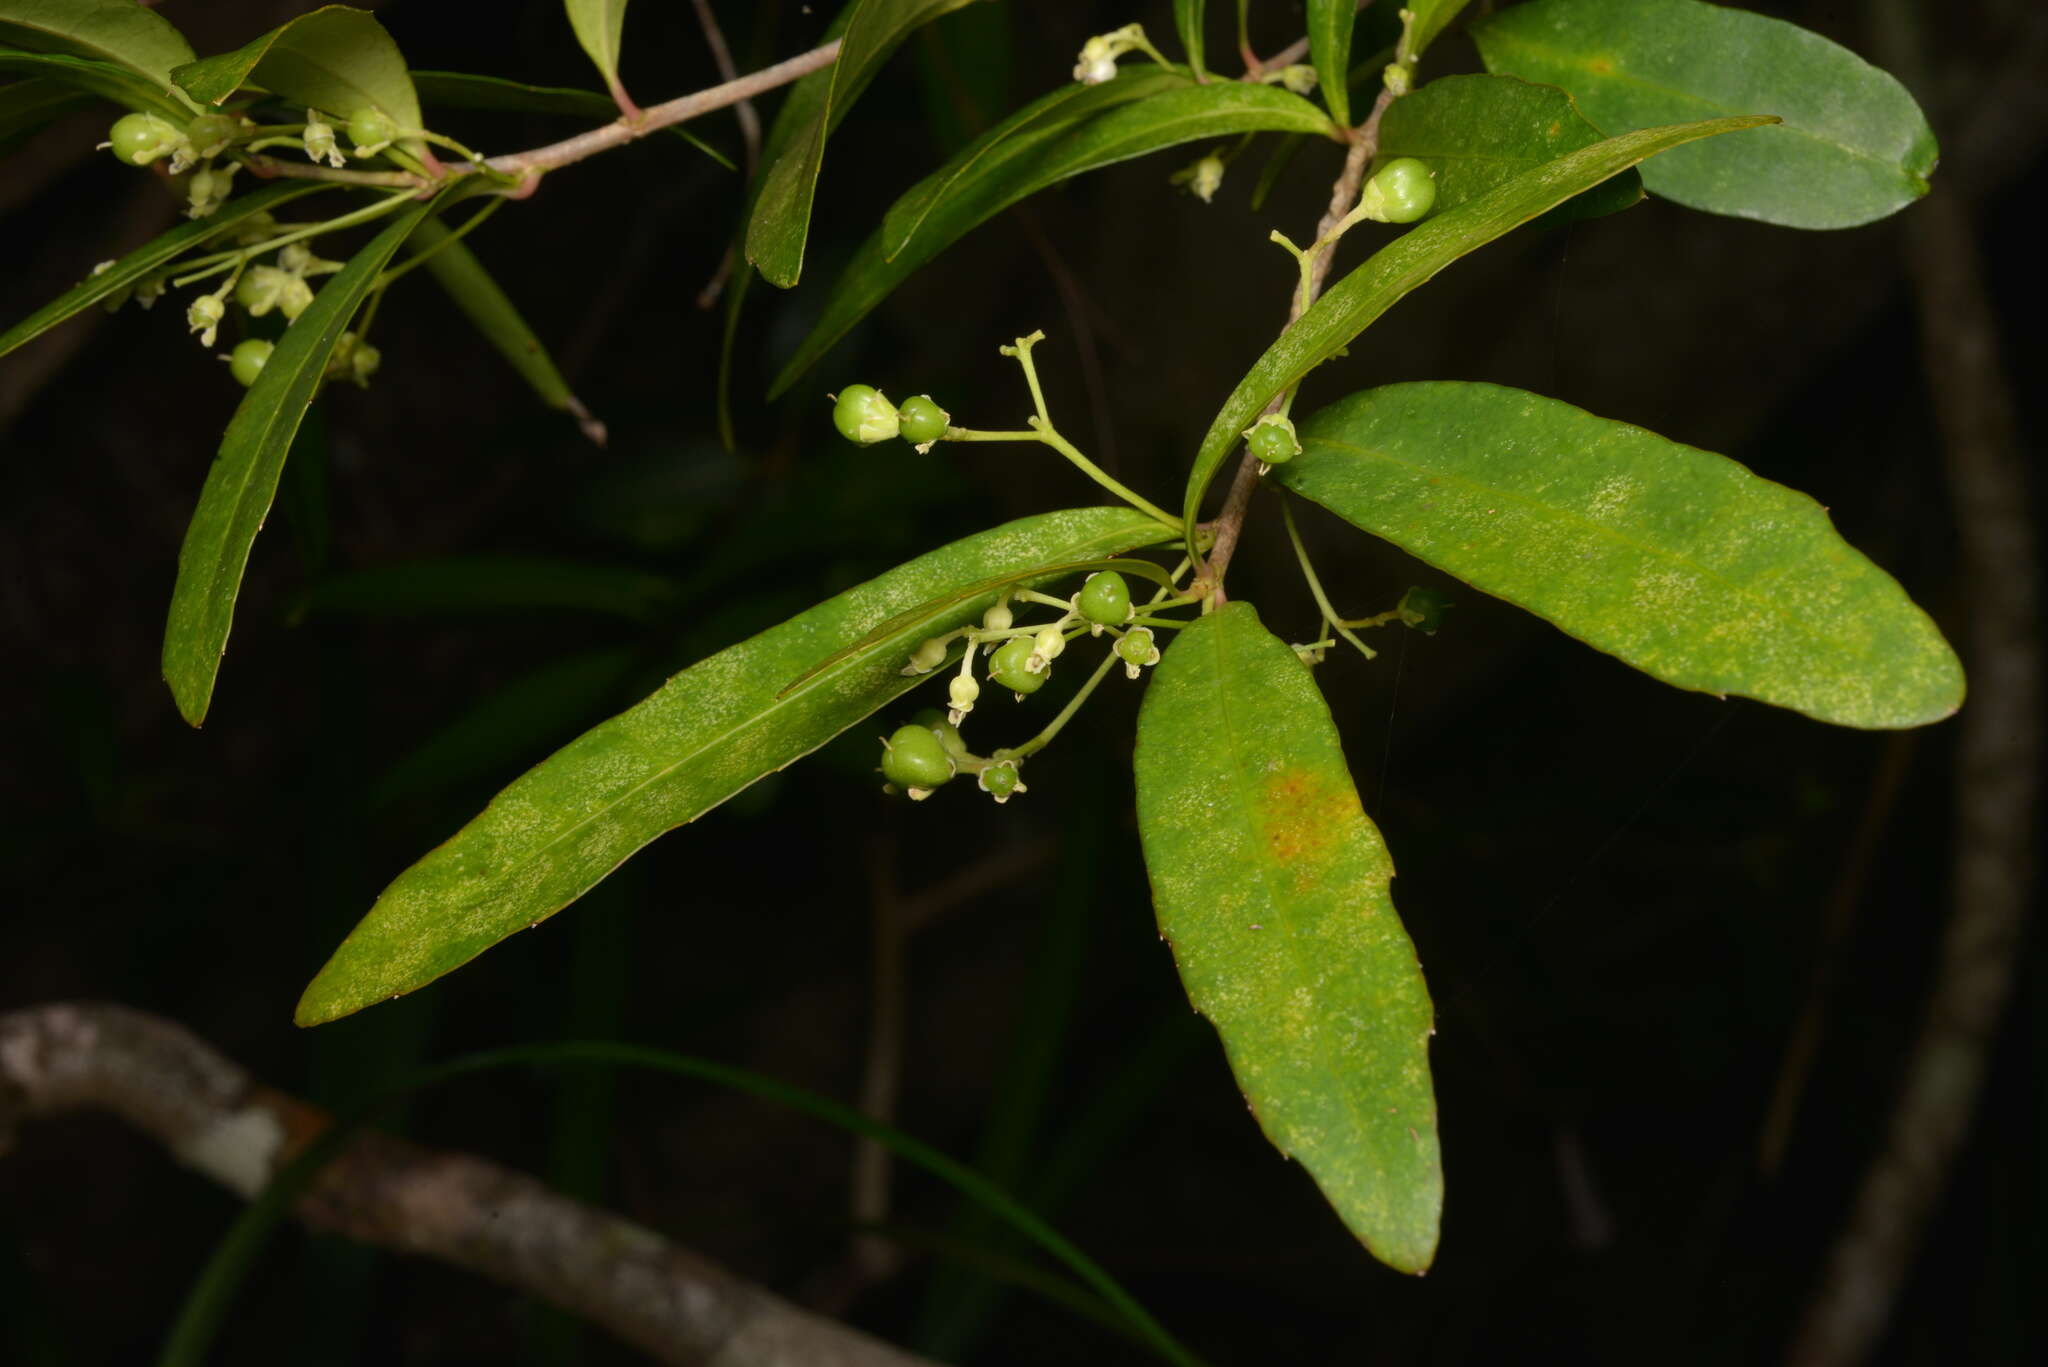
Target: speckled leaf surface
{"points": [[1477, 132], [706, 734], [1076, 129], [1410, 261], [1675, 560], [1853, 146], [1330, 25], [1272, 887]]}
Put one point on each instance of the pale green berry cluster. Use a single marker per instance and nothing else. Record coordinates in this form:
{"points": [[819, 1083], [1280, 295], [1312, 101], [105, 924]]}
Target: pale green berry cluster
{"points": [[864, 416]]}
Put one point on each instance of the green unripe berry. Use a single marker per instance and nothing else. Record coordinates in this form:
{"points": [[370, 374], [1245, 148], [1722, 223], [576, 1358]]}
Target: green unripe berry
{"points": [[913, 758], [246, 361], [922, 422], [929, 655], [1400, 192], [1008, 667], [1272, 440], [210, 133], [370, 130], [1000, 781], [140, 139], [863, 416], [949, 736], [1105, 599], [1137, 649]]}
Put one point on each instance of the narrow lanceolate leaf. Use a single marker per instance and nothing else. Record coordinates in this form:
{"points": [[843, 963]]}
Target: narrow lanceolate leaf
{"points": [[337, 60], [709, 732], [1073, 130], [150, 258], [1330, 25], [1425, 20], [782, 212], [598, 24], [243, 480], [1410, 261], [1852, 146], [118, 32], [1477, 132], [1272, 887], [81, 76], [1187, 20], [455, 268], [463, 90], [1674, 560]]}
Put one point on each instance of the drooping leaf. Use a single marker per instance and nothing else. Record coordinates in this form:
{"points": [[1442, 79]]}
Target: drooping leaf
{"points": [[463, 90], [1187, 21], [337, 60], [1410, 261], [781, 218], [1036, 574], [120, 33], [1852, 147], [1426, 19], [1271, 886], [497, 583], [243, 479], [513, 723], [455, 268], [598, 24], [1073, 130], [151, 257], [709, 732], [80, 76], [1672, 559], [1477, 132], [26, 106], [1330, 26]]}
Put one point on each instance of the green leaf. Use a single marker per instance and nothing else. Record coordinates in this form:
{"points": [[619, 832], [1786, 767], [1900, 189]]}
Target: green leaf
{"points": [[119, 33], [978, 592], [1477, 132], [1426, 19], [1271, 887], [513, 722], [101, 79], [1852, 146], [709, 732], [1187, 20], [455, 268], [1075, 129], [462, 90], [26, 106], [1674, 560], [243, 479], [497, 583], [598, 24], [782, 212], [1330, 25], [337, 60], [151, 257], [1411, 261]]}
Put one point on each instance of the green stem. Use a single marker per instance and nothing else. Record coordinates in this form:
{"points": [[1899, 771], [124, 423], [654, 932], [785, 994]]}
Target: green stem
{"points": [[1315, 585], [1102, 477], [225, 260], [1044, 738]]}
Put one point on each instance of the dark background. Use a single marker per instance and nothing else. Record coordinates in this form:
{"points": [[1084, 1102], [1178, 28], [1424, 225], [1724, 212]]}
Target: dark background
{"points": [[1622, 894]]}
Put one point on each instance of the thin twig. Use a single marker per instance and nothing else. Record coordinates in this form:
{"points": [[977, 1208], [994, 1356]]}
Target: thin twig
{"points": [[656, 117], [671, 1303], [749, 117]]}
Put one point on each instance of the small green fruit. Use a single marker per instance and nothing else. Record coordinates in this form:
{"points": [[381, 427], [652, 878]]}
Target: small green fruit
{"points": [[212, 133], [914, 758], [922, 422], [246, 361], [1106, 599], [863, 416], [370, 130], [949, 736], [140, 139], [1008, 666], [1400, 192], [1000, 781], [1137, 649], [1272, 440]]}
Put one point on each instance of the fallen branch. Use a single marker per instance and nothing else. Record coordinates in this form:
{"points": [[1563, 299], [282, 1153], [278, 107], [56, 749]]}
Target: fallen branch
{"points": [[674, 1304]]}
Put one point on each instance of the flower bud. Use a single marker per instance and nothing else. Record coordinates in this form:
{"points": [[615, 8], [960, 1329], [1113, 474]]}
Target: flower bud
{"points": [[863, 416]]}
